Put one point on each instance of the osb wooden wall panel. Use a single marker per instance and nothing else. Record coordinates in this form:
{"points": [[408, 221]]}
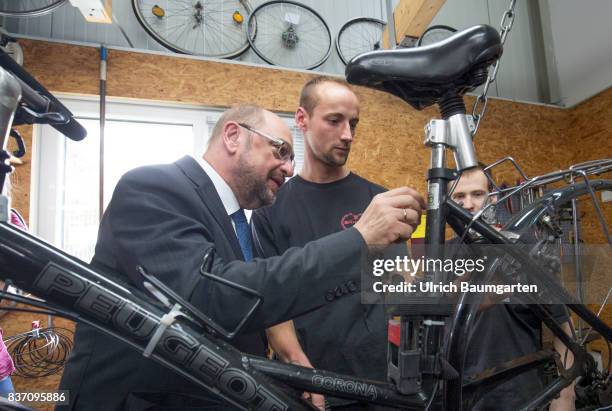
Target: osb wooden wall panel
{"points": [[591, 131], [388, 148], [389, 144]]}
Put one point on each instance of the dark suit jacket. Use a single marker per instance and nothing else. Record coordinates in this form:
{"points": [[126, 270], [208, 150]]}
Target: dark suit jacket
{"points": [[165, 218]]}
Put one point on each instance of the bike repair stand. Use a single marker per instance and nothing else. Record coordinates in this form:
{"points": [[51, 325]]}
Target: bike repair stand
{"points": [[415, 361]]}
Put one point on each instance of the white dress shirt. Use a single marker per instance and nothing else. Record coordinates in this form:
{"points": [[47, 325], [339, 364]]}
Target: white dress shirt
{"points": [[228, 198]]}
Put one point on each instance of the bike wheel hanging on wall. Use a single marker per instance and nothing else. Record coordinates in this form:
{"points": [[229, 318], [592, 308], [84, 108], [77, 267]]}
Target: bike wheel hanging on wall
{"points": [[211, 28], [289, 34], [29, 8], [435, 34], [358, 36]]}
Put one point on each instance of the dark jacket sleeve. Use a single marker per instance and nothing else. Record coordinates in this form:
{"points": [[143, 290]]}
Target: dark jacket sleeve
{"points": [[151, 222], [264, 238]]}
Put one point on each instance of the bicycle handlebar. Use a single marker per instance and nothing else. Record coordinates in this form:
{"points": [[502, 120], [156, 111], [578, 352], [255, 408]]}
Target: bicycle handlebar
{"points": [[41, 102]]}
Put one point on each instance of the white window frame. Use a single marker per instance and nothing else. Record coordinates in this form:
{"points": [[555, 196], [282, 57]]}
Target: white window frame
{"points": [[45, 221]]}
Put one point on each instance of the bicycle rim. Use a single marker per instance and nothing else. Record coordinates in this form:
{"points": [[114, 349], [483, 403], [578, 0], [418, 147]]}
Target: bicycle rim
{"points": [[289, 34], [358, 36], [29, 8], [210, 28]]}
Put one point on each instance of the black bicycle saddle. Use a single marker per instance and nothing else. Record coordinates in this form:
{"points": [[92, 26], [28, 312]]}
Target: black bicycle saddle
{"points": [[421, 76]]}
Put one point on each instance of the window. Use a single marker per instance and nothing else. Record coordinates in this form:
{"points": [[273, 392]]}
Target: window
{"points": [[66, 184]]}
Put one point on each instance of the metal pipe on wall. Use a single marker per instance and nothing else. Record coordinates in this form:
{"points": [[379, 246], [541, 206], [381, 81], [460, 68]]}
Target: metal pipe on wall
{"points": [[103, 56]]}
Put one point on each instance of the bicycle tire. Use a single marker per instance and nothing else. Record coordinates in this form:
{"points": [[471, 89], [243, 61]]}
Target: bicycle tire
{"points": [[435, 34], [370, 40], [217, 37], [287, 37], [30, 8]]}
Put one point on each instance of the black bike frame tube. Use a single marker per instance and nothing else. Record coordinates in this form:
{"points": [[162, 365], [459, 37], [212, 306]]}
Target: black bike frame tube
{"points": [[434, 249], [598, 325], [436, 218], [338, 385], [458, 213], [113, 308]]}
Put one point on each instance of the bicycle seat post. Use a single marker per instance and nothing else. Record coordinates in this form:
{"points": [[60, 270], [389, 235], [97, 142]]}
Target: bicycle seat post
{"points": [[416, 365], [453, 131], [10, 94]]}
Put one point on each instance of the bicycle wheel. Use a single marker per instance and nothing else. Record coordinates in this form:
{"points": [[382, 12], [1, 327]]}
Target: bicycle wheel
{"points": [[435, 34], [28, 8], [211, 28], [543, 228], [358, 36], [289, 34]]}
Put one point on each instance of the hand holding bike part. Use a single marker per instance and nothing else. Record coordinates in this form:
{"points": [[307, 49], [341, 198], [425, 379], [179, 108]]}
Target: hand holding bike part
{"points": [[391, 216]]}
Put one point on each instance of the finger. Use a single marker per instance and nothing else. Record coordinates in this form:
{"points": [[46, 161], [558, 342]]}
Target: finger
{"points": [[400, 191], [418, 197], [396, 191], [403, 230], [404, 201], [409, 216], [318, 401]]}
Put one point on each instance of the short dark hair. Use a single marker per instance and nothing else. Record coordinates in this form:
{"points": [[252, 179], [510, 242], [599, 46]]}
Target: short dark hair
{"points": [[309, 97], [488, 174]]}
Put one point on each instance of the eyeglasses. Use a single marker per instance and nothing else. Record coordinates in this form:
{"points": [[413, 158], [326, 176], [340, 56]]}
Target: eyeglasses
{"points": [[282, 149]]}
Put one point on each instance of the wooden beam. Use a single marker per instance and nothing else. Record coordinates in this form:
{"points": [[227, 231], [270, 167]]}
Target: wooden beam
{"points": [[95, 11], [412, 17], [106, 15]]}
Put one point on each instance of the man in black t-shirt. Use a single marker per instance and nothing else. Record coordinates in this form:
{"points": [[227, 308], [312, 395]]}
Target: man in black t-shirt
{"points": [[503, 332], [325, 197]]}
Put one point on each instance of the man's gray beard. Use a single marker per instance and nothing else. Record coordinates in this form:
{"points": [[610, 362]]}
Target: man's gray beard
{"points": [[250, 185]]}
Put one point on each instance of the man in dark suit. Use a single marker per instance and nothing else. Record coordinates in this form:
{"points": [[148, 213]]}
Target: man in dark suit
{"points": [[167, 217]]}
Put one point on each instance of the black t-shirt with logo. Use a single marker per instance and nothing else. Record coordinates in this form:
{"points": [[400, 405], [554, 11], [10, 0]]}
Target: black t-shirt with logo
{"points": [[346, 336]]}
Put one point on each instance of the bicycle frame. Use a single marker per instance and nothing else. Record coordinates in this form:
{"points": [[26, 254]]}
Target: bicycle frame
{"points": [[167, 330]]}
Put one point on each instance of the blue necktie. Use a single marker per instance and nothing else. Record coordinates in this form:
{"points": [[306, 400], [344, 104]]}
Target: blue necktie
{"points": [[243, 232]]}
